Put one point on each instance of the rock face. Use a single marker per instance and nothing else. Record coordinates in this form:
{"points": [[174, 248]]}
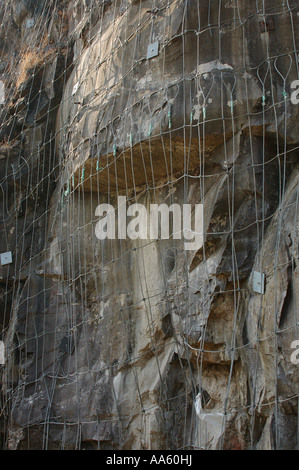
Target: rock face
{"points": [[142, 344]]}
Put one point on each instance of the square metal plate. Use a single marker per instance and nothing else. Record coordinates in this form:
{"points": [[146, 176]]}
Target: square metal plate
{"points": [[2, 353], [267, 25], [258, 282], [6, 258], [152, 50], [67, 345], [29, 23], [2, 92], [75, 88]]}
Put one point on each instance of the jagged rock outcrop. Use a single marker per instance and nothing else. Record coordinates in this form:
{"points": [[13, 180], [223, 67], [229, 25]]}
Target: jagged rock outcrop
{"points": [[140, 344]]}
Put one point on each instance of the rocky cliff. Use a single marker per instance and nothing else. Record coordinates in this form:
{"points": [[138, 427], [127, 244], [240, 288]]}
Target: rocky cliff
{"points": [[142, 344]]}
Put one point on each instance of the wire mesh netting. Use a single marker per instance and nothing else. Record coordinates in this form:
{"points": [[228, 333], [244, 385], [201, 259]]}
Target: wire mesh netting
{"points": [[141, 339]]}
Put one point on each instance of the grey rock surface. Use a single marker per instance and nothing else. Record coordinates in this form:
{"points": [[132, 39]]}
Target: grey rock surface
{"points": [[140, 344]]}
